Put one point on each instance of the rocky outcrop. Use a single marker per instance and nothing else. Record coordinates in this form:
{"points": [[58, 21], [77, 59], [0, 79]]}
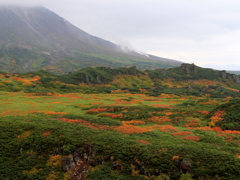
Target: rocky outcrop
{"points": [[185, 166], [98, 79], [189, 68], [195, 68], [204, 89], [186, 68], [68, 163], [80, 162], [219, 89], [224, 74], [236, 79], [163, 71], [87, 78]]}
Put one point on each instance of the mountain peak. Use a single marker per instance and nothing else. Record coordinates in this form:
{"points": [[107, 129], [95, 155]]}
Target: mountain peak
{"points": [[37, 31]]}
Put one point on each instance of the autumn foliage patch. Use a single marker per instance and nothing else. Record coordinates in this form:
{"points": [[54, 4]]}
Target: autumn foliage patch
{"points": [[130, 129], [181, 133], [191, 138]]}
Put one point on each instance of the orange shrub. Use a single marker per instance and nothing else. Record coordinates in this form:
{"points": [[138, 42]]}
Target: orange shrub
{"points": [[205, 128], [203, 112], [162, 105], [231, 132], [144, 141], [111, 115], [53, 112], [167, 128], [191, 138], [132, 122], [221, 135], [181, 133], [46, 133], [191, 124], [95, 110], [54, 160], [175, 157], [159, 119], [217, 116], [130, 129], [217, 129]]}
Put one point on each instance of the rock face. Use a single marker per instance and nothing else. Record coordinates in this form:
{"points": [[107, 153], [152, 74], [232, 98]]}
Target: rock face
{"points": [[204, 89], [236, 79], [68, 163], [195, 68], [186, 68], [219, 89], [80, 162], [224, 74], [163, 71], [189, 68], [185, 166]]}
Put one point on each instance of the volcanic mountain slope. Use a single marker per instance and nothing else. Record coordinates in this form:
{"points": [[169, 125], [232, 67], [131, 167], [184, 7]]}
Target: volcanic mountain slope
{"points": [[33, 38]]}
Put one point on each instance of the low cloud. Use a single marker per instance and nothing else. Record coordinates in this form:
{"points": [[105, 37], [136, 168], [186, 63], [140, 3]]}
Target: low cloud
{"points": [[191, 31]]}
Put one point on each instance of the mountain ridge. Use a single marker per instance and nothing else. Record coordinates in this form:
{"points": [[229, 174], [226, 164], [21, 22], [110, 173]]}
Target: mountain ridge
{"points": [[48, 39]]}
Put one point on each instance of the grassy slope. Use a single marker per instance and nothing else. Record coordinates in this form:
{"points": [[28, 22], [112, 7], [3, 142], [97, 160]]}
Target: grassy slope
{"points": [[19, 60], [143, 133], [25, 120]]}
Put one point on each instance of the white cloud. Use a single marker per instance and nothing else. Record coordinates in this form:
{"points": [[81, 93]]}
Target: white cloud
{"points": [[192, 31]]}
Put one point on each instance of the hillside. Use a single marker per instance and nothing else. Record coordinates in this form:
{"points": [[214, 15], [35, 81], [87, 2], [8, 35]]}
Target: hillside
{"points": [[118, 124], [187, 80], [33, 38]]}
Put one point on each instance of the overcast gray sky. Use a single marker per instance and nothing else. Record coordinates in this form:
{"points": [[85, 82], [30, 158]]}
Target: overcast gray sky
{"points": [[204, 32]]}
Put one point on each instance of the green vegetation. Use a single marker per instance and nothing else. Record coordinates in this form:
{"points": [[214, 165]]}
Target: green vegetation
{"points": [[21, 60], [104, 123]]}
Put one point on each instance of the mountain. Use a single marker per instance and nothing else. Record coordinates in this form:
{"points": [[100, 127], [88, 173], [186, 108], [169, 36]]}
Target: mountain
{"points": [[33, 38]]}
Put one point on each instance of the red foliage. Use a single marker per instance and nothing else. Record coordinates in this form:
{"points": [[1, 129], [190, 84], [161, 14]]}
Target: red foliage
{"points": [[221, 135], [167, 128], [95, 110], [217, 116], [46, 133], [163, 106], [112, 115], [217, 129], [130, 129], [181, 133], [132, 122], [192, 124], [191, 138], [86, 123], [53, 112], [144, 141], [203, 112], [159, 119], [231, 132], [205, 128]]}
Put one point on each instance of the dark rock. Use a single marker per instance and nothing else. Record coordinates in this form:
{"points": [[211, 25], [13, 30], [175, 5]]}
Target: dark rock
{"points": [[98, 79], [185, 166], [236, 79], [224, 74], [163, 71], [219, 89], [68, 163], [204, 89], [195, 68], [87, 78], [190, 88]]}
